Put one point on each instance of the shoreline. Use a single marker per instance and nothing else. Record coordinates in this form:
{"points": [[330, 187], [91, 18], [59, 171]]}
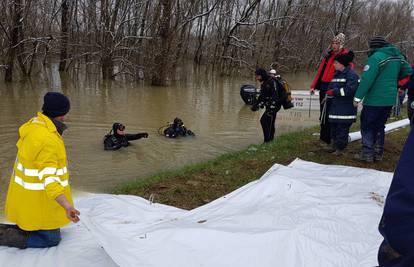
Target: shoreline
{"points": [[197, 184]]}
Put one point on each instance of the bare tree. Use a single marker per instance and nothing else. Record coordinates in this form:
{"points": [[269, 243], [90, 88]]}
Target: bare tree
{"points": [[14, 37], [149, 39], [64, 34]]}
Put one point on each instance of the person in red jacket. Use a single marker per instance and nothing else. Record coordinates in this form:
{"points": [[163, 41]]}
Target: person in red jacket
{"points": [[322, 79]]}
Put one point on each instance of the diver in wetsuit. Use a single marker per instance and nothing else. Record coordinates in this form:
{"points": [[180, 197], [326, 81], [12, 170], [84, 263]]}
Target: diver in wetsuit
{"points": [[176, 129], [117, 137], [270, 98]]}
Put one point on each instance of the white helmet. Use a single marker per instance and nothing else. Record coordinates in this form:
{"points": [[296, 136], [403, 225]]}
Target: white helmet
{"points": [[272, 71]]}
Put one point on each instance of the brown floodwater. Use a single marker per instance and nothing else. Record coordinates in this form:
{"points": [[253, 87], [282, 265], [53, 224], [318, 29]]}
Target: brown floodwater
{"points": [[209, 105]]}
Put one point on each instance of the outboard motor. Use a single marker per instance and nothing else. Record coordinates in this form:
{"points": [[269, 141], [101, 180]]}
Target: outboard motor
{"points": [[249, 94]]}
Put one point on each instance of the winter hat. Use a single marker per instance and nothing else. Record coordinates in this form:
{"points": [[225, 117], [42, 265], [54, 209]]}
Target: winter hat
{"points": [[377, 42], [340, 38], [345, 59], [262, 73], [55, 104]]}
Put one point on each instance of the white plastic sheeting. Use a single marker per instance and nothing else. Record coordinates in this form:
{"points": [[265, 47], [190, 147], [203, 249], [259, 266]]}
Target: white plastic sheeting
{"points": [[305, 214], [388, 127]]}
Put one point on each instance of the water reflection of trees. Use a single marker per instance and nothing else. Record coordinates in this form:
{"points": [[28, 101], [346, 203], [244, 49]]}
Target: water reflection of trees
{"points": [[150, 39]]}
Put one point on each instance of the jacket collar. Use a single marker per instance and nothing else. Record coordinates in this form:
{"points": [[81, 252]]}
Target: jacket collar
{"points": [[60, 126], [43, 119]]}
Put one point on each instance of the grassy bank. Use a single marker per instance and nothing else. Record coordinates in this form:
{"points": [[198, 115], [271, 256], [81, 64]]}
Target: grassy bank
{"points": [[195, 185]]}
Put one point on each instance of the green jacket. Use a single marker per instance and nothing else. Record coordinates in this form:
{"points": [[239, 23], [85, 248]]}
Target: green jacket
{"points": [[378, 86]]}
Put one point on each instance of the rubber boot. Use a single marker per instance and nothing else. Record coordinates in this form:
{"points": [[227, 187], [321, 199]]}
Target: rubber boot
{"points": [[13, 237], [364, 158]]}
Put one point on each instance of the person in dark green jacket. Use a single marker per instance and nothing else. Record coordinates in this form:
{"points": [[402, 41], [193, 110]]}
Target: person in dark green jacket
{"points": [[377, 91]]}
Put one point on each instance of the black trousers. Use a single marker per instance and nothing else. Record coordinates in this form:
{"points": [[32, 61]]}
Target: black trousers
{"points": [[268, 124], [339, 134], [325, 132]]}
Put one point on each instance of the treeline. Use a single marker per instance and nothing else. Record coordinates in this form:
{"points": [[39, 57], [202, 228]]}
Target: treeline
{"points": [[150, 39]]}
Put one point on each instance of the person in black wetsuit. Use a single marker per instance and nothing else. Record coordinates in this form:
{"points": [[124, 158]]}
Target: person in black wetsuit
{"points": [[271, 98], [117, 137], [176, 129]]}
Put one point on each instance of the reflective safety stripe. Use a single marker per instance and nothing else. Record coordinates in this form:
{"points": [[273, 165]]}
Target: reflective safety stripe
{"points": [[342, 91], [385, 61], [357, 99], [61, 171], [338, 80], [27, 172], [40, 174], [52, 179], [29, 186], [342, 117], [39, 186], [47, 170]]}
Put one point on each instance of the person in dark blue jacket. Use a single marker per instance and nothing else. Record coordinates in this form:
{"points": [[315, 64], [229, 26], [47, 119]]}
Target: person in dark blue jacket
{"points": [[397, 222], [342, 112]]}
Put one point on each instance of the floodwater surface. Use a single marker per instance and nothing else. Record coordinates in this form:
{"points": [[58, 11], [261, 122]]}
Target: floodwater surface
{"points": [[210, 106]]}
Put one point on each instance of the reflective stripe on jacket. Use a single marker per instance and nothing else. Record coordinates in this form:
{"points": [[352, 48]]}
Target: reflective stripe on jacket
{"points": [[40, 174], [344, 85]]}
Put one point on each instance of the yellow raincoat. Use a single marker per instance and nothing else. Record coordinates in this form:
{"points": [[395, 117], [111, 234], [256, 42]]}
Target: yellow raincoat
{"points": [[39, 176]]}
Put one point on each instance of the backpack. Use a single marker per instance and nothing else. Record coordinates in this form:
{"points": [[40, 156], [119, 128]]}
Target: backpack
{"points": [[287, 103]]}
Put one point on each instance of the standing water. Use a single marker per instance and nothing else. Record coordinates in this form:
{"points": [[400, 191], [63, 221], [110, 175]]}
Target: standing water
{"points": [[209, 106]]}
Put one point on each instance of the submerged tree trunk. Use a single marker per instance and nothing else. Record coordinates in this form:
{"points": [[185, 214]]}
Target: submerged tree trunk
{"points": [[14, 38], [64, 35], [161, 60], [107, 62]]}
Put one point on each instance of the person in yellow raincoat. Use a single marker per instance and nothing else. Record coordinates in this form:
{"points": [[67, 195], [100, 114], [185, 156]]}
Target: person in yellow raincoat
{"points": [[39, 199]]}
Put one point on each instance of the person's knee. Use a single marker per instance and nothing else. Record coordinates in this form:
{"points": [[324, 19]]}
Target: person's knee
{"points": [[54, 238]]}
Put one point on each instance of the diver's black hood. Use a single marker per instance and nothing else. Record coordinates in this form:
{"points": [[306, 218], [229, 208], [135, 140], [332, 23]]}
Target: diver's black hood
{"points": [[115, 127]]}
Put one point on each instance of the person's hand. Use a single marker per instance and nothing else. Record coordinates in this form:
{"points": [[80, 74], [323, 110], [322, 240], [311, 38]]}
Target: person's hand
{"points": [[72, 214], [356, 104], [254, 108], [330, 92], [312, 91], [144, 135]]}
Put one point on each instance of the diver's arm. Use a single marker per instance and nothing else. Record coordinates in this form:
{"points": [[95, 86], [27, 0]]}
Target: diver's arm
{"points": [[131, 137]]}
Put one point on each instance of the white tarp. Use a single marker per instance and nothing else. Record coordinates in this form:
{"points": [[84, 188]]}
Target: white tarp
{"points": [[305, 214]]}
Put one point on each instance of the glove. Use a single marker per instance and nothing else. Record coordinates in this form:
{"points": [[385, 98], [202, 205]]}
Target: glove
{"points": [[143, 135], [330, 92], [312, 91], [254, 108]]}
